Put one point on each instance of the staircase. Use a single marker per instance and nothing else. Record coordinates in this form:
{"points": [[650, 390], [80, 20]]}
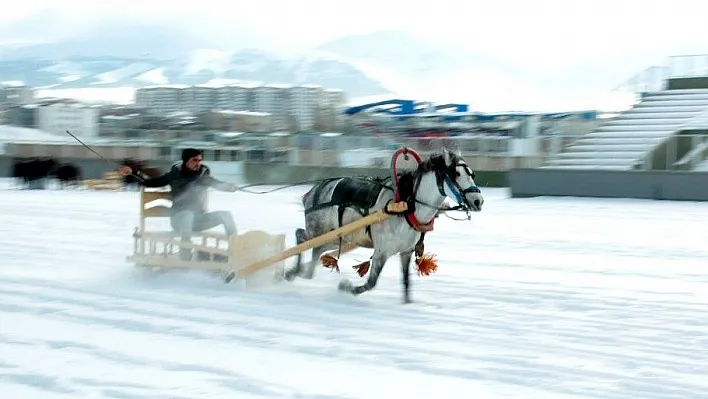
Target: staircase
{"points": [[623, 142]]}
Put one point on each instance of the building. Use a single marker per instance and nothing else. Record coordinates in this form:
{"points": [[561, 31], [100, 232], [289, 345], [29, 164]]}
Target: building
{"points": [[22, 116], [237, 121], [161, 100], [79, 119], [305, 102], [293, 108], [12, 96], [331, 112], [233, 98]]}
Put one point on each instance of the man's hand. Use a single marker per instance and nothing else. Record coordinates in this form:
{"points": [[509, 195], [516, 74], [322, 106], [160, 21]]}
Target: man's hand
{"points": [[125, 170]]}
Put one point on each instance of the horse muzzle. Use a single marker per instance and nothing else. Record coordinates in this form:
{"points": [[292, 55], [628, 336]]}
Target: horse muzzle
{"points": [[474, 202]]}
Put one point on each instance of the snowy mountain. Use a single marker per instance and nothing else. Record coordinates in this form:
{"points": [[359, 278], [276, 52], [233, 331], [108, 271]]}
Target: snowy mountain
{"points": [[201, 67], [366, 65], [125, 53]]}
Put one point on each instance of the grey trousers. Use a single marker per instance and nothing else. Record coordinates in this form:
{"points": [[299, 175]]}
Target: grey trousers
{"points": [[186, 222]]}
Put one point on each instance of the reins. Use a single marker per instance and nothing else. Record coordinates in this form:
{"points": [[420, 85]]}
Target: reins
{"points": [[284, 185]]}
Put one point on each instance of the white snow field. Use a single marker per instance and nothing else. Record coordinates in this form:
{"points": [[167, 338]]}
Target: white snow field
{"points": [[534, 298]]}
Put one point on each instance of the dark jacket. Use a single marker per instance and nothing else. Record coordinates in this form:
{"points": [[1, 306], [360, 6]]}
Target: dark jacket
{"points": [[188, 188]]}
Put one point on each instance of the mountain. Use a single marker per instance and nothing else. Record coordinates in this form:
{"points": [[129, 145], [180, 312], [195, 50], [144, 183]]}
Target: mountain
{"points": [[201, 67], [117, 54]]}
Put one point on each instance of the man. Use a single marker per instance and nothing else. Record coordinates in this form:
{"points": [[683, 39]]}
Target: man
{"points": [[189, 182]]}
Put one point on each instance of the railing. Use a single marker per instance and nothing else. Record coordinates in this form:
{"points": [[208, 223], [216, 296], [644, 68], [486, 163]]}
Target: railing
{"points": [[655, 78], [649, 80], [688, 66], [483, 152]]}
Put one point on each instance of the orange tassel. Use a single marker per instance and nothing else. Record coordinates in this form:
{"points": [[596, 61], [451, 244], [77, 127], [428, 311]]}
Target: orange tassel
{"points": [[362, 268], [426, 264], [330, 262]]}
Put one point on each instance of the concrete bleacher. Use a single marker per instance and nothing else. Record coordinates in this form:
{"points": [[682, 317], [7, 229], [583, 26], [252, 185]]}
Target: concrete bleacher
{"points": [[622, 142]]}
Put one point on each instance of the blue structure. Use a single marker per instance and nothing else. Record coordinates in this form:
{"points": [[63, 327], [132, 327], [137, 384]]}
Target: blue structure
{"points": [[406, 108], [403, 109]]}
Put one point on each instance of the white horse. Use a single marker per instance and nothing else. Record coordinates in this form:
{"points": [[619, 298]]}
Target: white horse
{"points": [[338, 201]]}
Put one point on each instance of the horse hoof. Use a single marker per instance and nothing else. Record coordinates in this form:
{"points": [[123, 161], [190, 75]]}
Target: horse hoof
{"points": [[289, 276], [345, 285]]}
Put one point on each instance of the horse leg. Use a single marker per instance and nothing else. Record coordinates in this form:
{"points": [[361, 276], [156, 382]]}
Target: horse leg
{"points": [[405, 275], [309, 270], [300, 237], [378, 260]]}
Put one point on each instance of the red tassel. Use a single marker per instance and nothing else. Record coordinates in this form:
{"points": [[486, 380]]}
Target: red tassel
{"points": [[362, 268], [330, 262], [426, 264]]}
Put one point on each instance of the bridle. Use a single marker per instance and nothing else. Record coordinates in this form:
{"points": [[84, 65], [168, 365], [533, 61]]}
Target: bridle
{"points": [[445, 175]]}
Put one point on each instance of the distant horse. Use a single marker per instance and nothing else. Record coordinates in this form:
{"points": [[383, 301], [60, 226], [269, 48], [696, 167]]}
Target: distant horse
{"points": [[339, 201], [67, 174], [33, 172]]}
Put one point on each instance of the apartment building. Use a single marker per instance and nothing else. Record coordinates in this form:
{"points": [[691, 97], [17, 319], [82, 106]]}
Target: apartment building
{"points": [[304, 105], [234, 98], [293, 108], [162, 100]]}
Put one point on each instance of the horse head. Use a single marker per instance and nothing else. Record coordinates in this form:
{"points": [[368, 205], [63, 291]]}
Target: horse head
{"points": [[455, 180]]}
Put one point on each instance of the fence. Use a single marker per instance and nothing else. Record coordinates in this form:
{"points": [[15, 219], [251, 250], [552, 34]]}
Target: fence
{"points": [[482, 152], [655, 78]]}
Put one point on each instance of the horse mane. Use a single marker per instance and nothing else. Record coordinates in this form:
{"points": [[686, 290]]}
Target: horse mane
{"points": [[406, 180]]}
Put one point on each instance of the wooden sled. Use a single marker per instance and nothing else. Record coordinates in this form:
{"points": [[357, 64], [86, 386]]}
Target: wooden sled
{"points": [[112, 181], [376, 217], [212, 252]]}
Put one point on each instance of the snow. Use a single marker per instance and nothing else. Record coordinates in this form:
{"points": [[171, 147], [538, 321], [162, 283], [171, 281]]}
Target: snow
{"points": [[153, 76], [116, 95], [534, 298], [13, 133], [122, 73]]}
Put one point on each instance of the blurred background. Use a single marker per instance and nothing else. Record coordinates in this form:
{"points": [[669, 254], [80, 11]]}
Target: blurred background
{"points": [[292, 86]]}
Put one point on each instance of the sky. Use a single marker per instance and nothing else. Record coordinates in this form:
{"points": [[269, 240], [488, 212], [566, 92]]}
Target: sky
{"points": [[565, 30], [544, 36]]}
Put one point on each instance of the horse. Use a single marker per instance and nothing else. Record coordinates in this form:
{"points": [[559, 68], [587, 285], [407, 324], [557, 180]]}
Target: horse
{"points": [[334, 202], [67, 174], [33, 172]]}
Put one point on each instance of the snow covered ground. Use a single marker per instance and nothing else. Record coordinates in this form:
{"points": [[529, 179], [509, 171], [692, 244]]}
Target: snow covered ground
{"points": [[534, 298]]}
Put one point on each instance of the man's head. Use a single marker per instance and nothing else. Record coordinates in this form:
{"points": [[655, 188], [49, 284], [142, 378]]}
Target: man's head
{"points": [[191, 158]]}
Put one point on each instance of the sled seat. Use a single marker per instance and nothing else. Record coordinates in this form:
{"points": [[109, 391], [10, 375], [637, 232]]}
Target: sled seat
{"points": [[150, 207], [212, 251]]}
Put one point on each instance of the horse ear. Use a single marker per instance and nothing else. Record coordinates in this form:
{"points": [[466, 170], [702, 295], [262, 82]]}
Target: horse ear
{"points": [[447, 156]]}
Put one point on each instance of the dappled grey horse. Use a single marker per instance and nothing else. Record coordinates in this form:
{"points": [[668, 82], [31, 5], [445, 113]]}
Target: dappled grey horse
{"points": [[338, 201]]}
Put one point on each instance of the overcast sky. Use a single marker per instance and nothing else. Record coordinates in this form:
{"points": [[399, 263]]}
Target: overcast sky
{"points": [[575, 29], [537, 35]]}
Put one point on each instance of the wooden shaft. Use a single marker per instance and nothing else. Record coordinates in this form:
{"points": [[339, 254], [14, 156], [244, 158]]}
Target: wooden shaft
{"points": [[333, 235]]}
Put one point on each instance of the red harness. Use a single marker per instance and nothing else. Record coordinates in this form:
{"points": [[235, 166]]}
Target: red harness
{"points": [[410, 216]]}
